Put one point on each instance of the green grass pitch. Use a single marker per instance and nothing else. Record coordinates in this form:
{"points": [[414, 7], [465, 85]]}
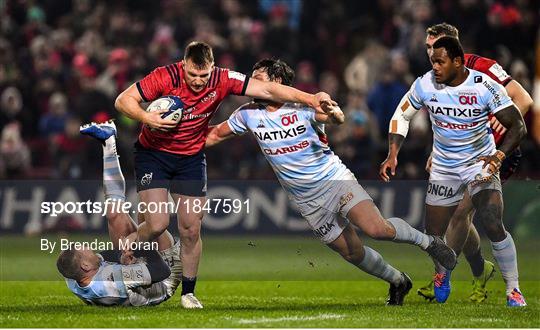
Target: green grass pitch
{"points": [[269, 282]]}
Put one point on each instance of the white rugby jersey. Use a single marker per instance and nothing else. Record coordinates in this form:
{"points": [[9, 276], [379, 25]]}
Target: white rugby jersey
{"points": [[116, 284], [459, 116], [294, 144]]}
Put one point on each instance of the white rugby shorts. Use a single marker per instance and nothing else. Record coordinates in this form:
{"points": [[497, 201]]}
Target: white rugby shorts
{"points": [[447, 186], [327, 214]]}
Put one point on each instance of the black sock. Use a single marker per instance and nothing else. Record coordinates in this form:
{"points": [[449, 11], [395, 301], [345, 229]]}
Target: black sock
{"points": [[188, 284], [476, 261]]}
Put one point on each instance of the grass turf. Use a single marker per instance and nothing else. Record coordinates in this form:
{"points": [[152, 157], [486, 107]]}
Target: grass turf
{"points": [[267, 282]]}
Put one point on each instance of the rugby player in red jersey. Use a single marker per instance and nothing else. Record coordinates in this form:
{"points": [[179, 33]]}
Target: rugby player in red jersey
{"points": [[461, 234], [169, 156]]}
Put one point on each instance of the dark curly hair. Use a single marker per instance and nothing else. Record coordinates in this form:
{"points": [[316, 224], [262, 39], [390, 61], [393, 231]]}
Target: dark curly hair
{"points": [[276, 69]]}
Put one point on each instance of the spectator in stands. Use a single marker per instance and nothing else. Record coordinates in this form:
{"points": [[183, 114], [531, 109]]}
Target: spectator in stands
{"points": [[14, 153]]}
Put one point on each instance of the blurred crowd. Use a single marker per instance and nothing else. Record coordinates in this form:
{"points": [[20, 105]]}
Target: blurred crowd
{"points": [[63, 62]]}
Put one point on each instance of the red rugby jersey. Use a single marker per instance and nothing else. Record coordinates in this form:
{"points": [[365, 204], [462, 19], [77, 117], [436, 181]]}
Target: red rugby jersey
{"points": [[189, 136], [494, 71]]}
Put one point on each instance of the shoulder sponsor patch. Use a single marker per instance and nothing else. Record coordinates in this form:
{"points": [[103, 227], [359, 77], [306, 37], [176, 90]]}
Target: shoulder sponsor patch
{"points": [[498, 72], [236, 75]]}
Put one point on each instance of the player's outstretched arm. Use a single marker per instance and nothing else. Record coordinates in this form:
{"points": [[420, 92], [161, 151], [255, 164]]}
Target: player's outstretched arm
{"points": [[219, 133], [511, 118], [397, 131], [281, 93], [128, 103]]}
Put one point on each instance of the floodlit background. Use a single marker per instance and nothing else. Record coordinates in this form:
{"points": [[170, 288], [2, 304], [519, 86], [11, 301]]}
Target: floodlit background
{"points": [[63, 63]]}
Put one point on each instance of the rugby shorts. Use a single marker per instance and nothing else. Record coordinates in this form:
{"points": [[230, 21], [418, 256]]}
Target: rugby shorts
{"points": [[327, 214], [447, 186], [180, 174]]}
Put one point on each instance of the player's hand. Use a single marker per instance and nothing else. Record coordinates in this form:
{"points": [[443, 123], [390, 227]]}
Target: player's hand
{"points": [[493, 162], [153, 120], [429, 163], [323, 102], [328, 107], [126, 256], [496, 125], [389, 163]]}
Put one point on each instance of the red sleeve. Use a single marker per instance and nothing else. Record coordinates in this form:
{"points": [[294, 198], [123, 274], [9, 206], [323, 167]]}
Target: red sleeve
{"points": [[489, 67], [159, 82], [233, 82]]}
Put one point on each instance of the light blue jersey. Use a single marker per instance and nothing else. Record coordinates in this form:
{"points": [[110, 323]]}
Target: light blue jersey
{"points": [[294, 144], [459, 116], [116, 284]]}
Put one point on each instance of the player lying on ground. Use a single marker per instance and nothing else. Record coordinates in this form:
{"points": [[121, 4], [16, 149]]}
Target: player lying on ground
{"points": [[129, 278], [461, 234], [459, 101], [169, 156], [292, 138]]}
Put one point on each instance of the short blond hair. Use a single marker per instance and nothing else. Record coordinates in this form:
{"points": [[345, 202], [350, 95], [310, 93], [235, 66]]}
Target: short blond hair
{"points": [[443, 29]]}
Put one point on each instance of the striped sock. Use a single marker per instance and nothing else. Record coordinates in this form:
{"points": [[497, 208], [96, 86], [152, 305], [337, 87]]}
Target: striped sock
{"points": [[113, 180], [374, 264], [505, 254], [407, 234]]}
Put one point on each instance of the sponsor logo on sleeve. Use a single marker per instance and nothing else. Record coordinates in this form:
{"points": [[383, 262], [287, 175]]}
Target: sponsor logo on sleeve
{"points": [[496, 95], [236, 75], [499, 72]]}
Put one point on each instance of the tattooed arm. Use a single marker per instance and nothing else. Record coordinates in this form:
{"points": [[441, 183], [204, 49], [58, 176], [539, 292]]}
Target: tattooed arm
{"points": [[511, 118]]}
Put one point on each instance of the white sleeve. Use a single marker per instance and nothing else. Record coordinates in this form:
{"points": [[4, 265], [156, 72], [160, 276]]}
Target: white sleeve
{"points": [[399, 124], [415, 94], [496, 96], [237, 122]]}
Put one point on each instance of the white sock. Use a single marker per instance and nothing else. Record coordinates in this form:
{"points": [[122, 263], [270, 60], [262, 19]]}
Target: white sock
{"points": [[374, 264], [407, 234], [114, 183], [109, 149], [505, 254]]}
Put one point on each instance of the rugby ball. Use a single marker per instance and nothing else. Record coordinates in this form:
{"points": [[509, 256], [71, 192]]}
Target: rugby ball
{"points": [[171, 103]]}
